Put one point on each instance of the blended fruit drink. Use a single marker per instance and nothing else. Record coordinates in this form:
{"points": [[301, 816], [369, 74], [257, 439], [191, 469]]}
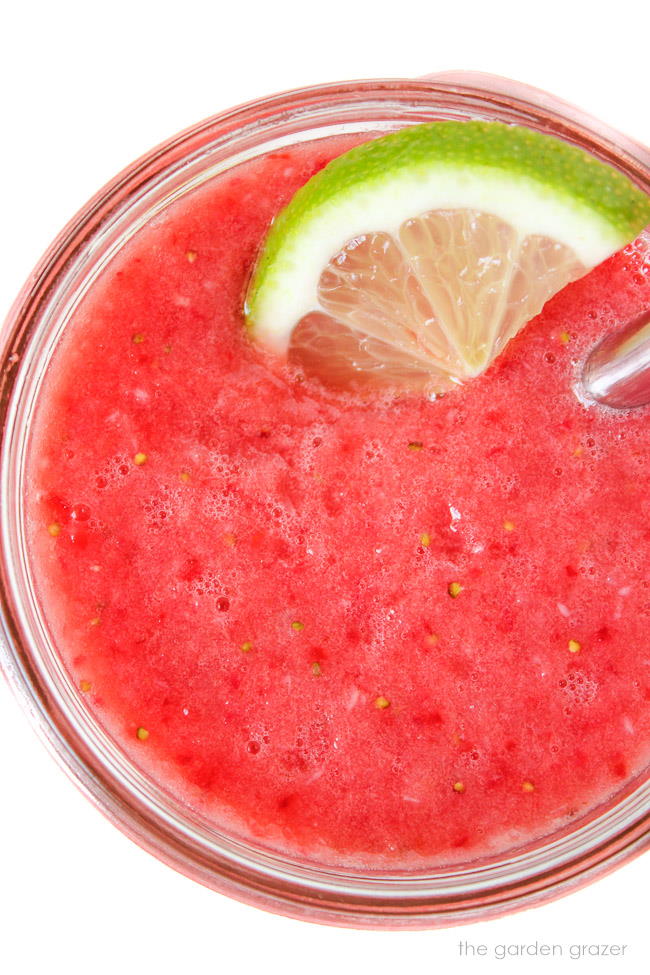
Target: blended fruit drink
{"points": [[363, 624]]}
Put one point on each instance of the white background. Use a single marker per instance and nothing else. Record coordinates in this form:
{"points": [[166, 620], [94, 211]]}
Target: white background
{"points": [[85, 88]]}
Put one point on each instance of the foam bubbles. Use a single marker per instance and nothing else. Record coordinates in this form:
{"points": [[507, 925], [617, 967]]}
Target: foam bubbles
{"points": [[579, 689], [160, 508]]}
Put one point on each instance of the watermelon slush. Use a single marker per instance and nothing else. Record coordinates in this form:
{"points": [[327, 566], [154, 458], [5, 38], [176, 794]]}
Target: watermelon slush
{"points": [[370, 631]]}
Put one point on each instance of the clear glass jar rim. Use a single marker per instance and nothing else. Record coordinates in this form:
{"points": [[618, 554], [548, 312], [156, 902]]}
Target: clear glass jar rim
{"points": [[266, 880]]}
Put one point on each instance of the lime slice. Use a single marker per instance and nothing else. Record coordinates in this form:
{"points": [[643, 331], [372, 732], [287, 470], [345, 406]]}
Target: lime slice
{"points": [[414, 258]]}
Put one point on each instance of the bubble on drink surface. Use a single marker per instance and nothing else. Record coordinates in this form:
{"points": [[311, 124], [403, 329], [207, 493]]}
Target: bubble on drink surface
{"points": [[202, 580], [312, 742], [159, 509], [222, 466], [113, 471], [374, 452], [579, 688], [313, 446]]}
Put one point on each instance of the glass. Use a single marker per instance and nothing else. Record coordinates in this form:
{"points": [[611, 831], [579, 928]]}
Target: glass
{"points": [[471, 891]]}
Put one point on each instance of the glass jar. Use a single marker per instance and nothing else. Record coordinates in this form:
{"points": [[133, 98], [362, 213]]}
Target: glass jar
{"points": [[472, 891]]}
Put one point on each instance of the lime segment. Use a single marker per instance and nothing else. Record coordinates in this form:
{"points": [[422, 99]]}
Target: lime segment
{"points": [[415, 257]]}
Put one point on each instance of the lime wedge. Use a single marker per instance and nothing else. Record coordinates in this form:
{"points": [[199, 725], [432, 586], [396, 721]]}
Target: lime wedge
{"points": [[414, 258]]}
